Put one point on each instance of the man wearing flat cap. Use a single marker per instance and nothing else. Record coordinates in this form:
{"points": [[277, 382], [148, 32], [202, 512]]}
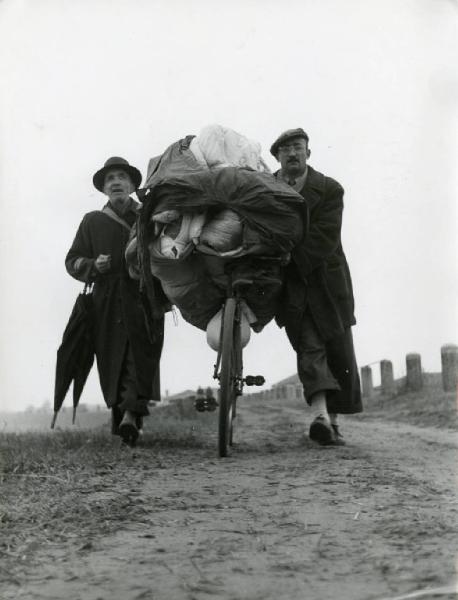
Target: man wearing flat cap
{"points": [[318, 308], [127, 349]]}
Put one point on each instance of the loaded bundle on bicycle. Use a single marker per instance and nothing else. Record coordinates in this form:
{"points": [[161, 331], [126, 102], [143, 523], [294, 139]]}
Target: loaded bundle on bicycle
{"points": [[215, 225]]}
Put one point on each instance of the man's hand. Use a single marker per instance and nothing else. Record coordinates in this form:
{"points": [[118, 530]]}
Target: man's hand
{"points": [[103, 263]]}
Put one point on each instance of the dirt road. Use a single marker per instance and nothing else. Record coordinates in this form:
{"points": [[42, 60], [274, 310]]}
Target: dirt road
{"points": [[279, 519]]}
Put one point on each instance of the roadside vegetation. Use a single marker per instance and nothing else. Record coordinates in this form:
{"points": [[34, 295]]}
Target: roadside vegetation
{"points": [[74, 485]]}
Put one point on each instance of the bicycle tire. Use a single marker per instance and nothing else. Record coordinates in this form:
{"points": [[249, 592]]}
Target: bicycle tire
{"points": [[237, 369], [227, 378]]}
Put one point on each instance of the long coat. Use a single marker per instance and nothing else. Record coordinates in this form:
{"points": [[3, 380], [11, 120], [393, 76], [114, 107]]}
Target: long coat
{"points": [[119, 316], [318, 280], [318, 276]]}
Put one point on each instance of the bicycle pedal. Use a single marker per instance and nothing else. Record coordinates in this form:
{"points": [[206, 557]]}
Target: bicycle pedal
{"points": [[199, 404], [205, 404], [212, 403], [254, 380]]}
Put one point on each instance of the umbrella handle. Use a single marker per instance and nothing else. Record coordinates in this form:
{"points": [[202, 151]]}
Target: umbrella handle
{"points": [[74, 415], [53, 422]]}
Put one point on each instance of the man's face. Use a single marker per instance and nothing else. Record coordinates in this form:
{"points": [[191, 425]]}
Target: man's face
{"points": [[293, 155], [117, 186]]}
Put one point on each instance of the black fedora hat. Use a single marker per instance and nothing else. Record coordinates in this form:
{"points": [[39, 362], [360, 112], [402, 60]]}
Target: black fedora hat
{"points": [[116, 162], [288, 135]]}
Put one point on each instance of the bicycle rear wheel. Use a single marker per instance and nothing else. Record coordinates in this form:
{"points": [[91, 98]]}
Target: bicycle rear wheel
{"points": [[227, 379]]}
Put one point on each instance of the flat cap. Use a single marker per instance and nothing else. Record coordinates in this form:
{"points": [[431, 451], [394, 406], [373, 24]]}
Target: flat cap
{"points": [[287, 135]]}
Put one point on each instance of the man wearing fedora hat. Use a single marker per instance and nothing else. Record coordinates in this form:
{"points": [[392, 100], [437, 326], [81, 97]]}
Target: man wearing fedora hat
{"points": [[127, 348], [318, 308]]}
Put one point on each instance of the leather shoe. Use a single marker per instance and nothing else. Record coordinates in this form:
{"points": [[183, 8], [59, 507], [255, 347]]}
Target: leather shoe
{"points": [[324, 433], [128, 429], [339, 438]]}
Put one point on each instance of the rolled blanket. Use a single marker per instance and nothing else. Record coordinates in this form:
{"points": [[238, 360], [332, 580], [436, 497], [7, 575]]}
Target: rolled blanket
{"points": [[223, 232], [176, 238]]}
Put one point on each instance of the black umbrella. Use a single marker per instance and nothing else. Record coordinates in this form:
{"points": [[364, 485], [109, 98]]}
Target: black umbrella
{"points": [[75, 355]]}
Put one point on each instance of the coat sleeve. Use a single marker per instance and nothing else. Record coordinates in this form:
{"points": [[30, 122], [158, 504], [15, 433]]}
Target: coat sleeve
{"points": [[80, 259], [323, 237]]}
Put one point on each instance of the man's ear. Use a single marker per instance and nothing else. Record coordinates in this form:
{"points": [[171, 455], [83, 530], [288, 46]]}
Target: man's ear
{"points": [[308, 153]]}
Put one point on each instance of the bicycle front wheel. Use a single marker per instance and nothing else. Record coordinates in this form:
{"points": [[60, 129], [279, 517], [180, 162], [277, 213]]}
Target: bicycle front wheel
{"points": [[227, 379]]}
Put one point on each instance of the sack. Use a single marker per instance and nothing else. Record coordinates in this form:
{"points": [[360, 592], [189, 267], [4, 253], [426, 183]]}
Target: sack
{"points": [[188, 286], [215, 324]]}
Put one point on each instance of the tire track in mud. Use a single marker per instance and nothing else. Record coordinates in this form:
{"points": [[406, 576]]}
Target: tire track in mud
{"points": [[280, 518]]}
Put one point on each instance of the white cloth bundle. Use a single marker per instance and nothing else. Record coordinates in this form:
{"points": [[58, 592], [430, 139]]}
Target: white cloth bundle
{"points": [[218, 146], [177, 237]]}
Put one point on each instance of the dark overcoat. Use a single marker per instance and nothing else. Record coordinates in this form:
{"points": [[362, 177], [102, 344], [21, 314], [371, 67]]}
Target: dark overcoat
{"points": [[119, 316], [318, 280], [318, 276]]}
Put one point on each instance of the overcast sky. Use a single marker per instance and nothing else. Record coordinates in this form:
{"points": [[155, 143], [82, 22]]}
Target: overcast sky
{"points": [[373, 83]]}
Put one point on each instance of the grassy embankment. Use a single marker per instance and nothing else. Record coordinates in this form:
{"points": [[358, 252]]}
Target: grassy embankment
{"points": [[430, 407]]}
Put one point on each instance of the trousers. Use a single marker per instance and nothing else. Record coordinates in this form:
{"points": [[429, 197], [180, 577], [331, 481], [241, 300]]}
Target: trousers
{"points": [[328, 366], [128, 398]]}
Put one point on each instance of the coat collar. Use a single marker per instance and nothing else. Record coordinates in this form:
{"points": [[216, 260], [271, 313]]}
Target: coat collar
{"points": [[129, 216], [315, 180], [313, 188]]}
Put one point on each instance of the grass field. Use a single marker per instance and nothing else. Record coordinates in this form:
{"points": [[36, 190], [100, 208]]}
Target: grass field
{"points": [[48, 478]]}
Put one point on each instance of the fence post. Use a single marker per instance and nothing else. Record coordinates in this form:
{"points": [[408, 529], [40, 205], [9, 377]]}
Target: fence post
{"points": [[290, 391], [366, 381], [414, 375], [386, 376], [299, 391], [271, 394], [449, 359], [281, 392]]}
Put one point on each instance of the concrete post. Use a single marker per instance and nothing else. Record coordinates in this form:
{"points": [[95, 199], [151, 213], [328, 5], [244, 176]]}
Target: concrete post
{"points": [[280, 392], [271, 394], [366, 382], [387, 377], [449, 358], [290, 391], [414, 375]]}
